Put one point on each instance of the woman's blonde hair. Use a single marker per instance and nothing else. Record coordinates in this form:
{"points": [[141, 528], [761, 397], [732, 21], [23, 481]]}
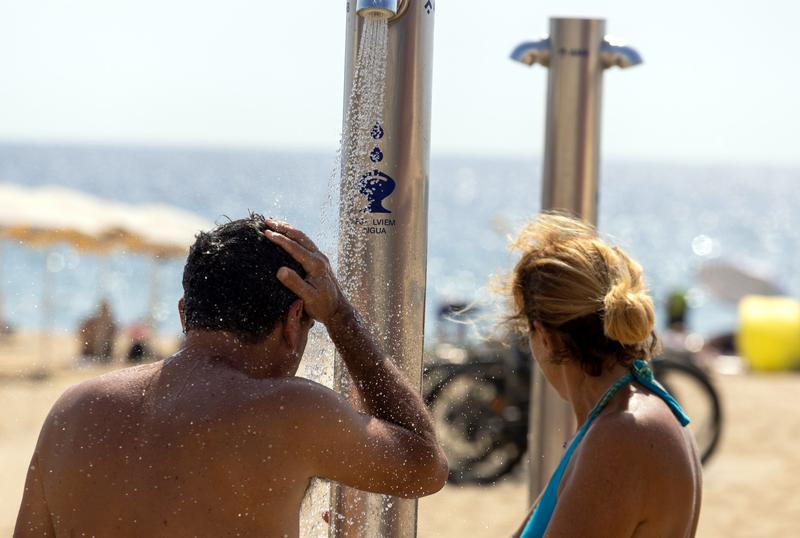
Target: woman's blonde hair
{"points": [[593, 295]]}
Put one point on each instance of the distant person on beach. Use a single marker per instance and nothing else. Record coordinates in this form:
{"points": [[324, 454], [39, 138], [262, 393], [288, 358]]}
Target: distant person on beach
{"points": [[677, 338], [221, 439], [632, 469], [97, 335], [677, 309], [675, 335], [5, 327], [141, 347]]}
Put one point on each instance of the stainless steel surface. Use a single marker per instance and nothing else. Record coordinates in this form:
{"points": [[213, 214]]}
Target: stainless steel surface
{"points": [[380, 8], [389, 280], [402, 6], [578, 53], [572, 132]]}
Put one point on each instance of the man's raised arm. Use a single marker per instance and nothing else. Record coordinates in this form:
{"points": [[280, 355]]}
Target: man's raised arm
{"points": [[387, 395]]}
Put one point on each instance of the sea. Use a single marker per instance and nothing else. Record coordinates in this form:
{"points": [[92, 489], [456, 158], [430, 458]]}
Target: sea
{"points": [[672, 217]]}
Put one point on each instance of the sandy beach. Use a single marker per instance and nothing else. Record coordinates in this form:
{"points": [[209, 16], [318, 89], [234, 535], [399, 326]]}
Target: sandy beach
{"points": [[752, 485]]}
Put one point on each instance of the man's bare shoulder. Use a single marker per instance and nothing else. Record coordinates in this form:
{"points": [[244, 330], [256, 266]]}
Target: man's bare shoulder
{"points": [[304, 411], [113, 387], [299, 397]]}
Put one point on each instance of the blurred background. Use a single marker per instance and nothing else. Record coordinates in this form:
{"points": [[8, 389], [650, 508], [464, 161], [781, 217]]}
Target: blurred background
{"points": [[158, 119]]}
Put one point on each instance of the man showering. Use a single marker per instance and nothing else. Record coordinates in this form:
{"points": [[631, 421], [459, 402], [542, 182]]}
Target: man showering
{"points": [[221, 439]]}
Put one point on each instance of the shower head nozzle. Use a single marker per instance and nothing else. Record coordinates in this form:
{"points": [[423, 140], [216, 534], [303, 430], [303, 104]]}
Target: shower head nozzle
{"points": [[377, 8]]}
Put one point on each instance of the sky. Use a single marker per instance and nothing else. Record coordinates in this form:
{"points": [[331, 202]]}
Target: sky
{"points": [[719, 83]]}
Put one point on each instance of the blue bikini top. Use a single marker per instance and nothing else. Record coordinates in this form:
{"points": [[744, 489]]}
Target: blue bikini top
{"points": [[640, 372]]}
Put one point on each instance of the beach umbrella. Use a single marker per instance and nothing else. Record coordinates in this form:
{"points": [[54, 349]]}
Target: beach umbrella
{"points": [[731, 282], [41, 218], [163, 232], [160, 230], [44, 216]]}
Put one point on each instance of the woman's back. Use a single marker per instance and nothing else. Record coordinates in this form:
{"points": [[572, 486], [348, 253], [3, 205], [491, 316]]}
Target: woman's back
{"points": [[632, 469], [636, 473]]}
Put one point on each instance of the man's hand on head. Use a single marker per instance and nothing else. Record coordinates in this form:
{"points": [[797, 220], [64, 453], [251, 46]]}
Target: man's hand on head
{"points": [[398, 452], [320, 292]]}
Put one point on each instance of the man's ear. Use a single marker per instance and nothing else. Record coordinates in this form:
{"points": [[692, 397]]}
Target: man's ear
{"points": [[182, 313], [292, 324]]}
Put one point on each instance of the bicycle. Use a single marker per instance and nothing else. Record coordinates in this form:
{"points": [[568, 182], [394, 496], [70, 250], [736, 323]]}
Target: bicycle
{"points": [[481, 407]]}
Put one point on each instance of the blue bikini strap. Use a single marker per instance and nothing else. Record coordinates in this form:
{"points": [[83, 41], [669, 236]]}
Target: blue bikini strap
{"points": [[644, 375]]}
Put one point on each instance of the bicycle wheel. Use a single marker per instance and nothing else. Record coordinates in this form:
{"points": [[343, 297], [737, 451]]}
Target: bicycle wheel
{"points": [[467, 411], [694, 391]]}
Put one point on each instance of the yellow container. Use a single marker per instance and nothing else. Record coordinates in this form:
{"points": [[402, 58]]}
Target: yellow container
{"points": [[769, 332]]}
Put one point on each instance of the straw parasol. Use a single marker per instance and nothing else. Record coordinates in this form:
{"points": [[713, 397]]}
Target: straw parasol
{"points": [[45, 216], [160, 230]]}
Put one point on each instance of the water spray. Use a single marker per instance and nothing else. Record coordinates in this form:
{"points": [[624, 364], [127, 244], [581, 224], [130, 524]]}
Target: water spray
{"points": [[384, 213]]}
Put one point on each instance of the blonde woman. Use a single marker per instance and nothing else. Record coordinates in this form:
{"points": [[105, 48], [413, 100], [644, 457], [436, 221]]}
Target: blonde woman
{"points": [[632, 469]]}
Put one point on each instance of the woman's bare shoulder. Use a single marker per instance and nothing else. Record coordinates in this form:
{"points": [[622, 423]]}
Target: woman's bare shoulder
{"points": [[645, 437], [643, 424]]}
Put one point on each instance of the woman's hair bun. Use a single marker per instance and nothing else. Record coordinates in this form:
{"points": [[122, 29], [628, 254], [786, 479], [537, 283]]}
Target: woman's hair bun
{"points": [[628, 311]]}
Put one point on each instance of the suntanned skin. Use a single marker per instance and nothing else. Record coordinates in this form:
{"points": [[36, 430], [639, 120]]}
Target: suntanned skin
{"points": [[221, 439], [636, 473]]}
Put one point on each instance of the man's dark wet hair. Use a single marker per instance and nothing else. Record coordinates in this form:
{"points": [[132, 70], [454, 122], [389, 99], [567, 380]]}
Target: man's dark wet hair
{"points": [[230, 282]]}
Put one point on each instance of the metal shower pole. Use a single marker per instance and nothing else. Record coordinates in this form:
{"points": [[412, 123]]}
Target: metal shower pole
{"points": [[387, 234], [576, 53]]}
